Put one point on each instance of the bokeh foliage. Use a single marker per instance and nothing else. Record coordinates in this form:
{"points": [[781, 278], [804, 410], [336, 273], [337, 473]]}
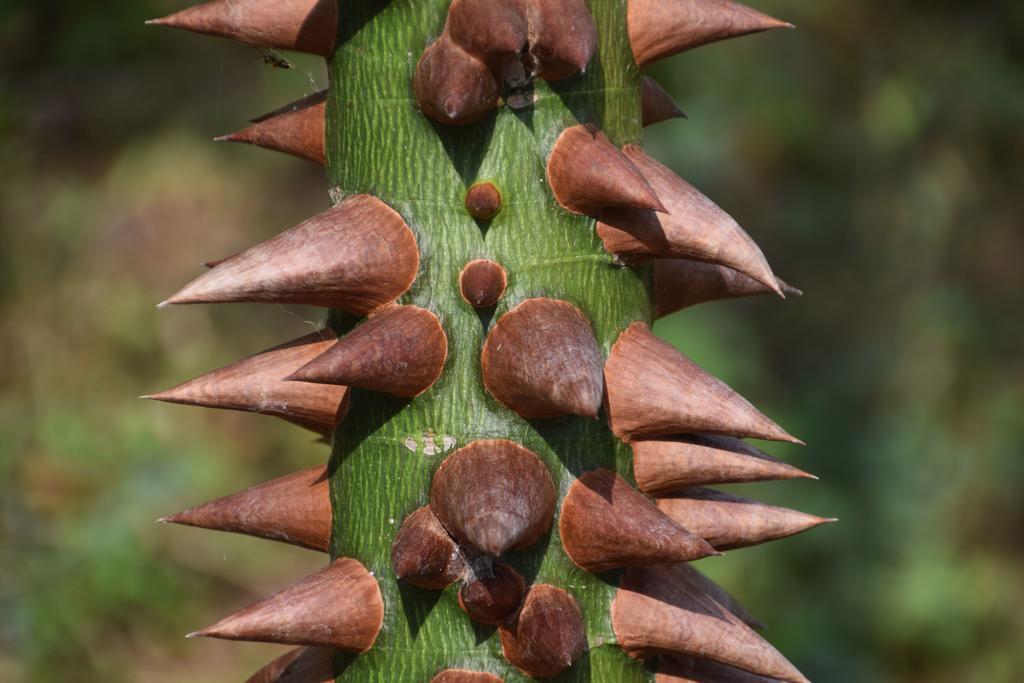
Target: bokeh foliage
{"points": [[876, 154]]}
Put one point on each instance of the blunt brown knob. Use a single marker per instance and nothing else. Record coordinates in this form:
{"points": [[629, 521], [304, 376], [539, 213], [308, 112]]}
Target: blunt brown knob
{"points": [[482, 283], [483, 201]]}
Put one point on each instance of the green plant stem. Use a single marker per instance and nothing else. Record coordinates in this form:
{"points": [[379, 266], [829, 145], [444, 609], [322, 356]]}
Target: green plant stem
{"points": [[387, 449]]}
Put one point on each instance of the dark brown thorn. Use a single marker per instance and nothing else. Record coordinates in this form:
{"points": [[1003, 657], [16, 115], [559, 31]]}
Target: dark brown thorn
{"points": [[661, 28], [665, 465], [656, 105], [339, 606], [213, 263], [683, 669], [400, 350], [465, 676], [660, 609], [356, 256], [300, 25], [423, 554], [693, 227], [494, 594], [452, 86], [494, 495], [295, 509], [493, 30], [547, 636], [721, 596], [297, 130], [316, 97], [607, 524], [483, 201], [588, 174], [681, 283], [563, 37], [727, 521], [301, 665], [541, 359], [256, 384], [653, 390], [482, 283]]}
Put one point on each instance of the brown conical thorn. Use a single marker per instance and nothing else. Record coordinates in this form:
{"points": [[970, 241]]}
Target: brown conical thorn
{"points": [[297, 129], [494, 594], [494, 495], [256, 384], [563, 37], [541, 359], [547, 636], [400, 350], [452, 86], [683, 669], [495, 31], [301, 665], [656, 105], [653, 390], [588, 174], [483, 201], [660, 609], [661, 28], [295, 508], [727, 521], [300, 25], [665, 465], [607, 524], [681, 283], [693, 227], [339, 606], [482, 283], [465, 676], [423, 554], [356, 256]]}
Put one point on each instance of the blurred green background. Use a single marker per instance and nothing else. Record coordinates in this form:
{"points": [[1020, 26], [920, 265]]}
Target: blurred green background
{"points": [[876, 154]]}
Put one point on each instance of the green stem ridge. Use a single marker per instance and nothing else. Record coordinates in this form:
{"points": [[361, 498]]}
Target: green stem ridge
{"points": [[386, 451]]}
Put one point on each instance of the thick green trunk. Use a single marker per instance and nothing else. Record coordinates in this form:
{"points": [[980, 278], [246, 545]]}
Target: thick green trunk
{"points": [[388, 449]]}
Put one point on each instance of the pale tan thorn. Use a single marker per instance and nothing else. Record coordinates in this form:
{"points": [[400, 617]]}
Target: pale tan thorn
{"points": [[728, 521], [357, 256], [339, 606], [294, 508], [661, 28], [662, 465]]}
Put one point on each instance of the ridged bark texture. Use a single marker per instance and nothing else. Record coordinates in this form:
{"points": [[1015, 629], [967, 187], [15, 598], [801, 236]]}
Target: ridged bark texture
{"points": [[383, 460]]}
